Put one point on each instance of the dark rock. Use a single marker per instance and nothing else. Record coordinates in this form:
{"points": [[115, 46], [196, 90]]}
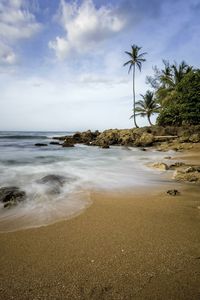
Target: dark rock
{"points": [[173, 192], [66, 145], [60, 138], [176, 165], [40, 145], [54, 143], [68, 142], [85, 137], [11, 196], [53, 183], [143, 149], [105, 146], [58, 179]]}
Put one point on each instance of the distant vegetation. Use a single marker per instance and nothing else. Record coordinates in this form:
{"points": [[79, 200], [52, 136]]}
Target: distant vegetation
{"points": [[175, 94]]}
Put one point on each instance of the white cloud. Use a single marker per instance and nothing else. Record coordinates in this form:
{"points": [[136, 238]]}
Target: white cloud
{"points": [[85, 27], [7, 56], [16, 23]]}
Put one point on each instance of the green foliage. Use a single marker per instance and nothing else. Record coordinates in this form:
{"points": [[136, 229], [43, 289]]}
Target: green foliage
{"points": [[147, 106], [183, 105], [165, 81]]}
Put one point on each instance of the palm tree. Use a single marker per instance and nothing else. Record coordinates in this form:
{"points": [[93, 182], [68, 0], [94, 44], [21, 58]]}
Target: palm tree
{"points": [[166, 80], [136, 60], [147, 106]]}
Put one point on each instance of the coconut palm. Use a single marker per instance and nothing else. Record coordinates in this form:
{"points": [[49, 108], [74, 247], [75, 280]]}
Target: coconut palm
{"points": [[147, 106], [165, 80], [136, 60]]}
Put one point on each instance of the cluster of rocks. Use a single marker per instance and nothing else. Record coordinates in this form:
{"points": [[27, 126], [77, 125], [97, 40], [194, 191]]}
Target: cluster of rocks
{"points": [[182, 171], [162, 137], [10, 196]]}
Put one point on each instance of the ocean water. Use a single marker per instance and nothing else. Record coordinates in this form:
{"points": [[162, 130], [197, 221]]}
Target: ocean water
{"points": [[85, 168]]}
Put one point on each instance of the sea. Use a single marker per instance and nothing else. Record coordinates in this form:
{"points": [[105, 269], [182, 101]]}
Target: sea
{"points": [[85, 168]]}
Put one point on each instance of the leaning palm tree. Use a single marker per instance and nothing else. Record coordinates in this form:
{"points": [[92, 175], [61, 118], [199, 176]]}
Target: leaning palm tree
{"points": [[147, 106], [136, 60]]}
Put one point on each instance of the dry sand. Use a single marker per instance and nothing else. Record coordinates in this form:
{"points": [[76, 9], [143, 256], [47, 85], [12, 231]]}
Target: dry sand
{"points": [[124, 246]]}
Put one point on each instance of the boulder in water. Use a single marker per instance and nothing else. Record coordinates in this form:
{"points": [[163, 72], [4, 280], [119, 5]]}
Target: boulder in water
{"points": [[54, 143], [53, 179], [40, 145], [105, 146], [54, 183], [11, 196]]}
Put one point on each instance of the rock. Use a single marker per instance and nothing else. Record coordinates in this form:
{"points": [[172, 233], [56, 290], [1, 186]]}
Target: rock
{"points": [[60, 138], [108, 137], [176, 165], [53, 183], [53, 179], [184, 175], [143, 149], [85, 137], [54, 143], [11, 196], [192, 169], [173, 192], [168, 157], [40, 145], [160, 166], [105, 146], [68, 142], [145, 140], [195, 138], [66, 145]]}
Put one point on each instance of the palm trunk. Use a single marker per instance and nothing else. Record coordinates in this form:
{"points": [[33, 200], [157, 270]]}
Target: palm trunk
{"points": [[148, 117], [134, 117]]}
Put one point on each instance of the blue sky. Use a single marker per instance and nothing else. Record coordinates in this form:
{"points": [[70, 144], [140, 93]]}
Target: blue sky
{"points": [[61, 62]]}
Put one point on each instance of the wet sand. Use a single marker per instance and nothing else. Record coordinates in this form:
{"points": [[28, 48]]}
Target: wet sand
{"points": [[126, 245]]}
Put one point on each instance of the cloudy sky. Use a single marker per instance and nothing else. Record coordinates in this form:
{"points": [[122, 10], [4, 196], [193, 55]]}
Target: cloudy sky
{"points": [[61, 61]]}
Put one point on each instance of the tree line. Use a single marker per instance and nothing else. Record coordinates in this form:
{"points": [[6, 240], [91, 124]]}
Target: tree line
{"points": [[174, 94]]}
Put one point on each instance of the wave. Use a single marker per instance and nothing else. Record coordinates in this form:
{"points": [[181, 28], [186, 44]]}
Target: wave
{"points": [[24, 137]]}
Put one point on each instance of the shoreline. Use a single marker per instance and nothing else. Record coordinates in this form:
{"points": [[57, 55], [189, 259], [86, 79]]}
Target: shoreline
{"points": [[123, 246], [141, 244]]}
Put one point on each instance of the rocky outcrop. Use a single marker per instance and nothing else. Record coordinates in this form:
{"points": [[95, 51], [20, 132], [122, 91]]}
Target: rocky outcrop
{"points": [[181, 175], [164, 138], [68, 142], [160, 166], [11, 196], [50, 179], [86, 137], [145, 140], [53, 183], [176, 165]]}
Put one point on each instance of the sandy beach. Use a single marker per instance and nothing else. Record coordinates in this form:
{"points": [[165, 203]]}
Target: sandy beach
{"points": [[126, 245]]}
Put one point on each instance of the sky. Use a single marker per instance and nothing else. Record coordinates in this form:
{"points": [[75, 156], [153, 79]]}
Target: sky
{"points": [[61, 61]]}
